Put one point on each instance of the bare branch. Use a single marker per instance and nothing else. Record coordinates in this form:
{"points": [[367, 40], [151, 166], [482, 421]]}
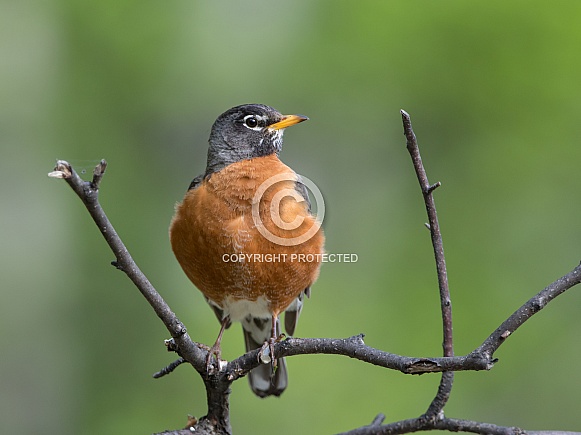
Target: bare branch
{"points": [[447, 380], [434, 417], [169, 368], [458, 425], [434, 227], [88, 192], [526, 311], [379, 418], [448, 424], [354, 347]]}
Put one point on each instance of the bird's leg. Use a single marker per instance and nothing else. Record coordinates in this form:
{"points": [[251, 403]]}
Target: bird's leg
{"points": [[269, 344], [273, 339], [215, 349]]}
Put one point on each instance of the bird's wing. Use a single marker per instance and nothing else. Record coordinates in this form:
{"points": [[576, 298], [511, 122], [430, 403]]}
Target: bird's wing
{"points": [[219, 312], [196, 182], [302, 189], [292, 313]]}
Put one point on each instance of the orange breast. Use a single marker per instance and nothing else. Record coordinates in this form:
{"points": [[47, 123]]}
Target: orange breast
{"points": [[230, 248]]}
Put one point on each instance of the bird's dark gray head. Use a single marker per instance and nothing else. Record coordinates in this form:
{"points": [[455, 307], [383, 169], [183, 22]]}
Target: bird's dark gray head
{"points": [[246, 132]]}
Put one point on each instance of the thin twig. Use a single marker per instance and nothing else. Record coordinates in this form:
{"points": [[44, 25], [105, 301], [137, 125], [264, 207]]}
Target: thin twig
{"points": [[434, 227], [169, 368], [378, 420], [525, 312], [447, 380]]}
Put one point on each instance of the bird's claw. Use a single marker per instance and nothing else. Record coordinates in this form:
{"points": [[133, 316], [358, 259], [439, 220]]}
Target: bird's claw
{"points": [[266, 354], [210, 367]]}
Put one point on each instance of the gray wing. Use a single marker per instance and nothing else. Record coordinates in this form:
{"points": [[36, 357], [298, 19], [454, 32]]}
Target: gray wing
{"points": [[218, 312], [292, 313], [302, 189], [196, 182]]}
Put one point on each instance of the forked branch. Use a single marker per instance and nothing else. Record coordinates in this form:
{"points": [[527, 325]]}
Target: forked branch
{"points": [[217, 384]]}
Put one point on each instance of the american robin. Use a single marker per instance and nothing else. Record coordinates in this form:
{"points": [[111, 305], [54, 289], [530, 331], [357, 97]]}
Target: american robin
{"points": [[245, 236]]}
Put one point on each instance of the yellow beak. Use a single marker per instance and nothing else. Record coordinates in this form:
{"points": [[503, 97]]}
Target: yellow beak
{"points": [[287, 121]]}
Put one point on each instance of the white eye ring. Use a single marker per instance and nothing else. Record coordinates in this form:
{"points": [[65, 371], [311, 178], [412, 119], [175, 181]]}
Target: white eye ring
{"points": [[251, 122]]}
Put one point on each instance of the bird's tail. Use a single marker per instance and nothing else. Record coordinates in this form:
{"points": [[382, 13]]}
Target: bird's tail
{"points": [[263, 381]]}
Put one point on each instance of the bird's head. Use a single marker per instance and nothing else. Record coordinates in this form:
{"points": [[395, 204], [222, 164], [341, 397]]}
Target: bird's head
{"points": [[246, 132]]}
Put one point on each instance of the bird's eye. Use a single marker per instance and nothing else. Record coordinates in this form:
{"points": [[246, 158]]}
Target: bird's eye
{"points": [[250, 121]]}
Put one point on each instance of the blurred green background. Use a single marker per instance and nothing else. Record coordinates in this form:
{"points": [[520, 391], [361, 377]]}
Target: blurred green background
{"points": [[494, 91]]}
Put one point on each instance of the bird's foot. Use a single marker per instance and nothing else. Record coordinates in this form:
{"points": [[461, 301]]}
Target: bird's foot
{"points": [[267, 351], [266, 354], [213, 351]]}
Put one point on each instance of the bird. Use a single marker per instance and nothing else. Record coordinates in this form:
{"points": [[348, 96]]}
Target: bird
{"points": [[250, 263]]}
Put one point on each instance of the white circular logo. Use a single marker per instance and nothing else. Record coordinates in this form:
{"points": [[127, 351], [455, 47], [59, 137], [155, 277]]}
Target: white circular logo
{"points": [[275, 208]]}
